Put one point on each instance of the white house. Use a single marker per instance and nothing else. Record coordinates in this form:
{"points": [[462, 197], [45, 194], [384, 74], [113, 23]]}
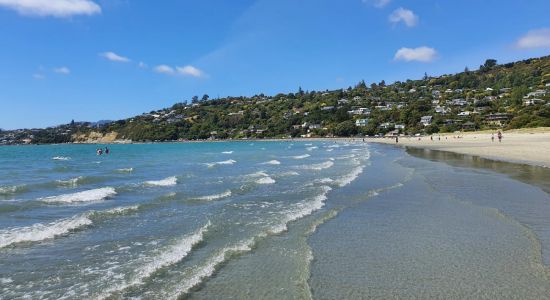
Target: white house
{"points": [[400, 126], [361, 122], [426, 120]]}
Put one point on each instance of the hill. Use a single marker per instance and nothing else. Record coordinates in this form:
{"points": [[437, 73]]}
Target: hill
{"points": [[507, 96]]}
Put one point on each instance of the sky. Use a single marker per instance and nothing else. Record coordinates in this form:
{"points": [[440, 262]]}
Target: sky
{"points": [[90, 60]]}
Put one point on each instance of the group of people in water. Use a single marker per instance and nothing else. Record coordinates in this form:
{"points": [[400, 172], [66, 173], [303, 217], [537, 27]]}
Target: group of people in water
{"points": [[100, 151]]}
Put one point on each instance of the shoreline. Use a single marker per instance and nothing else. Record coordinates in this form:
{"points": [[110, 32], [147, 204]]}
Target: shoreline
{"points": [[530, 147]]}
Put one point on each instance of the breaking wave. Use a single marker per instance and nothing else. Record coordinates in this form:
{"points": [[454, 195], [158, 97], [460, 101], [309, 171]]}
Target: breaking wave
{"points": [[300, 210], [227, 152], [169, 181], [318, 167], [272, 162], [125, 170], [169, 256], [11, 190], [349, 178], [39, 232], [265, 180], [301, 156], [209, 267], [84, 196], [215, 196], [61, 158], [225, 162]]}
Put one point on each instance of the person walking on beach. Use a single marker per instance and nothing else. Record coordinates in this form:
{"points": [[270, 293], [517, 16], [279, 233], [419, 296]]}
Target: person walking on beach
{"points": [[499, 134], [396, 139], [492, 137]]}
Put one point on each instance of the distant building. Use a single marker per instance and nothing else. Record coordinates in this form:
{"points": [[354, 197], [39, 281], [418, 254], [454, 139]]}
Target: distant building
{"points": [[361, 122], [498, 119], [426, 120]]}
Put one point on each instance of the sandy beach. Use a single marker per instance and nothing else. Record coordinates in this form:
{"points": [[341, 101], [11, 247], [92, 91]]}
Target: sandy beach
{"points": [[528, 146]]}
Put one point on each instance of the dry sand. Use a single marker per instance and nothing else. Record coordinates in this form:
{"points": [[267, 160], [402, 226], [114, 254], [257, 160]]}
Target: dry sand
{"points": [[528, 146]]}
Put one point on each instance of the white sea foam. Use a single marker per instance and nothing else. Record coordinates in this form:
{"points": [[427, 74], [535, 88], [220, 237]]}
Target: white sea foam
{"points": [[8, 190], [215, 196], [272, 162], [6, 280], [169, 256], [265, 180], [121, 210], [84, 196], [290, 173], [258, 174], [300, 210], [301, 156], [70, 182], [125, 170], [318, 167], [227, 152], [349, 178], [169, 181], [40, 232], [209, 267], [225, 162], [334, 146], [61, 158], [311, 148]]}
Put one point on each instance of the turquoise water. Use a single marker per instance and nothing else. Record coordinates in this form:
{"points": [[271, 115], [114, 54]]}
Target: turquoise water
{"points": [[265, 220]]}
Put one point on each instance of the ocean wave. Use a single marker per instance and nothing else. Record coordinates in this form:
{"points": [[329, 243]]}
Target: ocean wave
{"points": [[227, 152], [39, 232], [301, 156], [318, 167], [225, 162], [349, 178], [311, 148], [301, 210], [209, 267], [169, 181], [71, 182], [289, 173], [84, 196], [272, 162], [12, 190], [169, 256], [125, 170], [265, 180], [215, 196], [61, 158]]}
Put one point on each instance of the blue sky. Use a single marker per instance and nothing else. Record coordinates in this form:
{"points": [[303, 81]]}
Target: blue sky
{"points": [[109, 59]]}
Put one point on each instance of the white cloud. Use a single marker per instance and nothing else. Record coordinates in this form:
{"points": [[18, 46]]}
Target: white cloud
{"points": [[62, 70], [164, 69], [38, 76], [142, 65], [539, 38], [404, 15], [186, 70], [191, 71], [113, 56], [421, 54], [378, 3], [55, 8]]}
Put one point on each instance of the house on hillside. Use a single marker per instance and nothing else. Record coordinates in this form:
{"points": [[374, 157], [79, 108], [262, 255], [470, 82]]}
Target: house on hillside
{"points": [[361, 122], [498, 119], [426, 120], [535, 101]]}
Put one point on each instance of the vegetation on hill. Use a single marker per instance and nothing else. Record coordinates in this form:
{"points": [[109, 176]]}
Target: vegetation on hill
{"points": [[513, 95]]}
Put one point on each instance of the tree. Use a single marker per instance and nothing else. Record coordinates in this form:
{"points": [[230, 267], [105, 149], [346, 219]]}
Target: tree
{"points": [[489, 64], [346, 128], [205, 97], [195, 99]]}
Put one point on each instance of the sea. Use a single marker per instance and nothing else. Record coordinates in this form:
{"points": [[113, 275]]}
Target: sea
{"points": [[270, 220]]}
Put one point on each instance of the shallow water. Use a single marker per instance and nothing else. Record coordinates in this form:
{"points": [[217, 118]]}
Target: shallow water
{"points": [[265, 220]]}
